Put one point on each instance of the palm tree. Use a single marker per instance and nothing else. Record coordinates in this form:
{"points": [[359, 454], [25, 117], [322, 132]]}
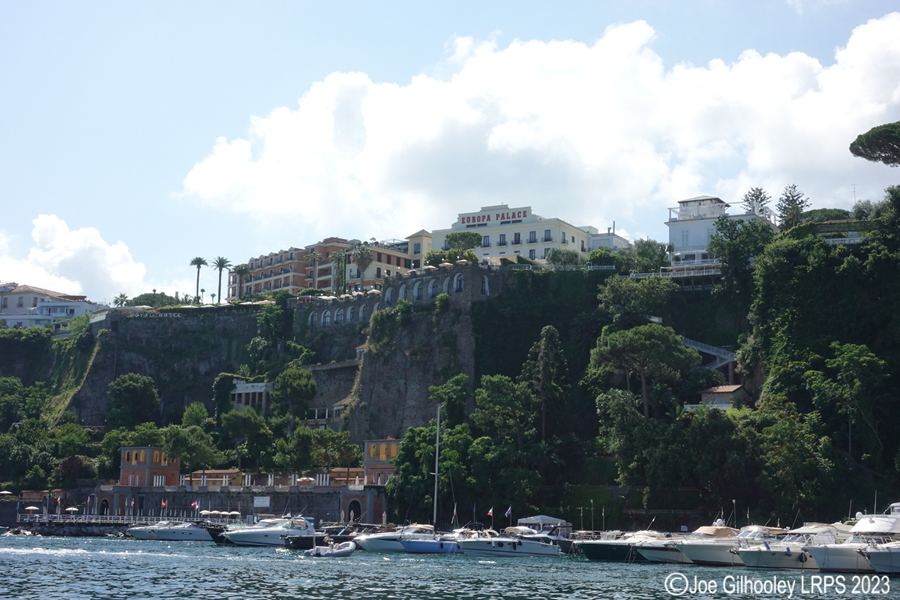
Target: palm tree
{"points": [[314, 258], [339, 272], [362, 256], [221, 263], [241, 271], [120, 300], [213, 296], [198, 262], [202, 291]]}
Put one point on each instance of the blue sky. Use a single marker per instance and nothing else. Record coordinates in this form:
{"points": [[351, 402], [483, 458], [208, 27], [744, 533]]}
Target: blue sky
{"points": [[138, 136]]}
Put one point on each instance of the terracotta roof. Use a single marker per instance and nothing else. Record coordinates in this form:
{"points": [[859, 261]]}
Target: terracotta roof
{"points": [[419, 233], [343, 402], [30, 288], [721, 389]]}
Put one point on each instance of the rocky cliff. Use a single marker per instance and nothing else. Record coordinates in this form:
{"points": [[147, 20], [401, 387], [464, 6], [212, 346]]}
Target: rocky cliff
{"points": [[182, 355]]}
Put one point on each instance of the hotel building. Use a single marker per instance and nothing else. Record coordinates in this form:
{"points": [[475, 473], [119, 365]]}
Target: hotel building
{"points": [[517, 231]]}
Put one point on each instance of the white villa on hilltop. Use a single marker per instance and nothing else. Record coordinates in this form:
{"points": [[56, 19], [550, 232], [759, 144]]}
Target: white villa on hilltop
{"points": [[691, 225]]}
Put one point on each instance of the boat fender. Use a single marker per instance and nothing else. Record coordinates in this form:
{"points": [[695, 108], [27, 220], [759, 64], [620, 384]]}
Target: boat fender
{"points": [[802, 557], [787, 551], [500, 544], [442, 545]]}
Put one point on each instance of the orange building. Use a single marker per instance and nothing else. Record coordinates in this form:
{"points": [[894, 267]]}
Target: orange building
{"points": [[148, 467], [377, 461], [390, 258]]}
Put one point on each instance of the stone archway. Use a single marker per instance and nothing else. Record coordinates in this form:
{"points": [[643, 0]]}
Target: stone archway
{"points": [[356, 509]]}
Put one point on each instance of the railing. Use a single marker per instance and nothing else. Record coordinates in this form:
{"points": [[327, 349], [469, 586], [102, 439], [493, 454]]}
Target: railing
{"points": [[111, 519], [676, 274]]}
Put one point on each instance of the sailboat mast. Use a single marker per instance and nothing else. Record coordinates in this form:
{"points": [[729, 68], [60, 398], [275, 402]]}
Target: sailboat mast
{"points": [[437, 446]]}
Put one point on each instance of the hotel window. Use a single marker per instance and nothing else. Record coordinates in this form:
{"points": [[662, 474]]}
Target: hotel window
{"points": [[486, 241], [532, 237], [531, 254], [546, 252], [547, 236], [417, 248], [502, 241], [34, 304], [378, 257], [387, 273], [4, 302], [378, 272], [21, 302], [517, 239]]}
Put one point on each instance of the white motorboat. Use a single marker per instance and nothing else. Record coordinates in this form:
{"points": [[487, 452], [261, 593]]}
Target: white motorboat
{"points": [[615, 546], [718, 551], [389, 541], [789, 553], [148, 532], [669, 550], [883, 558], [184, 532], [869, 530], [331, 550], [512, 543], [269, 532]]}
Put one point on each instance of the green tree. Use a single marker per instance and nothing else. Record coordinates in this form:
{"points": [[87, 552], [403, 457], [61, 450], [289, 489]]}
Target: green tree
{"points": [[132, 399], [506, 411], [755, 200], [651, 351], [294, 452], [645, 256], [339, 271], [120, 300], [198, 262], [194, 414], [222, 387], [463, 240], [146, 434], [72, 468], [736, 243], [294, 388], [315, 259], [435, 257], [220, 264], [332, 449], [790, 206], [879, 144], [246, 430], [631, 301], [362, 256], [241, 271], [452, 397], [545, 372], [866, 210], [193, 447], [71, 439], [563, 257], [602, 256]]}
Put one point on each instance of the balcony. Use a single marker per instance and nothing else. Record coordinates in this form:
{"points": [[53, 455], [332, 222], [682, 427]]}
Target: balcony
{"points": [[501, 243], [548, 238]]}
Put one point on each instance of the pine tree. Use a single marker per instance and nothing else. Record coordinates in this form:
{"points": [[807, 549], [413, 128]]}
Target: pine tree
{"points": [[754, 200], [791, 206]]}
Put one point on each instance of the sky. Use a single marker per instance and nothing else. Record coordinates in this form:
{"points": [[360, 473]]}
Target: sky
{"points": [[137, 136]]}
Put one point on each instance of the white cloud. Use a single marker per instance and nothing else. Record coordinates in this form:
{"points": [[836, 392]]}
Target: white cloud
{"points": [[73, 262], [588, 133]]}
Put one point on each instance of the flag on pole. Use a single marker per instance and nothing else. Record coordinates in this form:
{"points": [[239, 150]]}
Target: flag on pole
{"points": [[491, 512], [132, 501], [508, 511], [57, 500], [195, 504], [163, 503], [604, 511], [454, 513], [748, 513]]}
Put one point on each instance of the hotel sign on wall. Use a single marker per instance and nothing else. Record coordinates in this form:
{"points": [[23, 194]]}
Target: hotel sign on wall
{"points": [[495, 216]]}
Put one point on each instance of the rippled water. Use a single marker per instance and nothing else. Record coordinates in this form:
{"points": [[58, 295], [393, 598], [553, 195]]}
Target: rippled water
{"points": [[36, 568]]}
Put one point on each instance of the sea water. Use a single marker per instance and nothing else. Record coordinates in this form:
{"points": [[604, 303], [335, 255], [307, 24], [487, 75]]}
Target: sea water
{"points": [[43, 568]]}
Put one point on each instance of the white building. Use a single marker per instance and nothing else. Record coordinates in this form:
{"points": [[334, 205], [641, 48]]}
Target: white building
{"points": [[608, 240], [27, 306], [510, 231], [693, 222]]}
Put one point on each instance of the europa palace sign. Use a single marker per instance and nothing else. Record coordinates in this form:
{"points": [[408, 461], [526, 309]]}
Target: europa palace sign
{"points": [[495, 215]]}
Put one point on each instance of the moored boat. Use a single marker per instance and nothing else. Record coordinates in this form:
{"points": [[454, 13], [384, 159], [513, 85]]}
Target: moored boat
{"points": [[183, 532], [270, 532], [719, 552], [883, 558], [511, 544], [789, 552], [332, 550], [869, 530], [389, 541], [617, 546]]}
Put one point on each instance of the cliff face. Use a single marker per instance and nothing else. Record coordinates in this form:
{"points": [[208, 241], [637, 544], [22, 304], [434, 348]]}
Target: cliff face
{"points": [[182, 355], [392, 390]]}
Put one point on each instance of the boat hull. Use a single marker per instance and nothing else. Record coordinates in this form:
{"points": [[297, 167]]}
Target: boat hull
{"points": [[431, 546], [193, 534], [778, 558], [660, 553], [507, 547], [712, 555], [142, 533], [884, 560], [840, 558], [610, 551], [305, 542]]}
